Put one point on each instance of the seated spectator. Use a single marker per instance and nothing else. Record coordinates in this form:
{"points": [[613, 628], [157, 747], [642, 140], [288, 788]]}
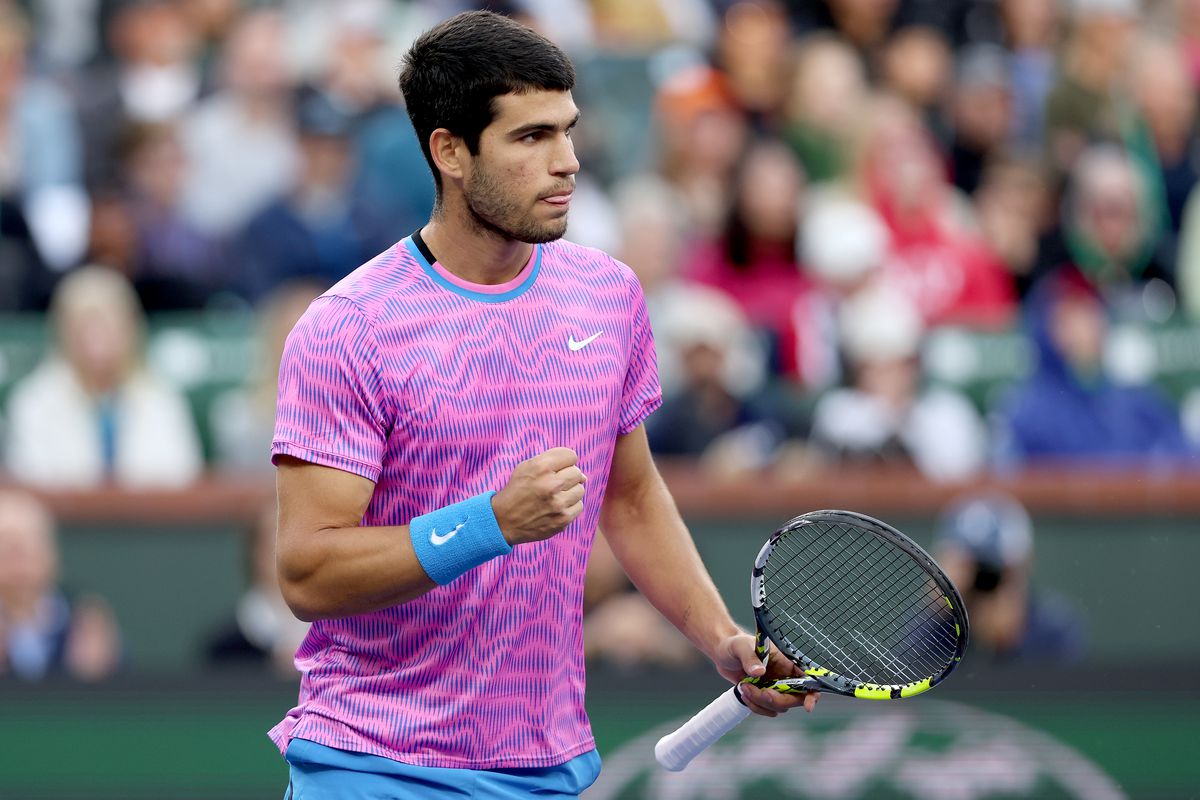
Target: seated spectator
{"points": [[1087, 103], [177, 266], [937, 256], [708, 415], [1012, 205], [242, 419], [653, 237], [1031, 35], [91, 412], [916, 64], [701, 134], [1069, 411], [753, 259], [154, 77], [1109, 233], [984, 542], [318, 230], [263, 632], [980, 114], [883, 415], [45, 630], [41, 157], [227, 184], [828, 87]]}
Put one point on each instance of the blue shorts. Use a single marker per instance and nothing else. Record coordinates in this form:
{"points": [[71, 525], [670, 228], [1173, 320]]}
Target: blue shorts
{"points": [[318, 772]]}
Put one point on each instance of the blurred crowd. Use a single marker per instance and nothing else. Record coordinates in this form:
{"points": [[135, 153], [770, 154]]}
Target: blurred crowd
{"points": [[807, 189]]}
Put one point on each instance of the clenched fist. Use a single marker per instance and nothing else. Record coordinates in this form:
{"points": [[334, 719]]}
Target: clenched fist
{"points": [[543, 495]]}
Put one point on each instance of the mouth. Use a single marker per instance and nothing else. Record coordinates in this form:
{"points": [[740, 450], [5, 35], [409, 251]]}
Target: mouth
{"points": [[561, 199]]}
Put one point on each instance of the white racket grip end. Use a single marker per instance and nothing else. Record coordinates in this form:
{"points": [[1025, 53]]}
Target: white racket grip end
{"points": [[676, 750]]}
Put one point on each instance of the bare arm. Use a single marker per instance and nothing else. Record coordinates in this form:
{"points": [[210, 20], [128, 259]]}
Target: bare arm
{"points": [[651, 541], [330, 565]]}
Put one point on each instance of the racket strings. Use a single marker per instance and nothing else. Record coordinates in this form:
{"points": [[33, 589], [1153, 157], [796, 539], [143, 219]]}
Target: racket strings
{"points": [[874, 614]]}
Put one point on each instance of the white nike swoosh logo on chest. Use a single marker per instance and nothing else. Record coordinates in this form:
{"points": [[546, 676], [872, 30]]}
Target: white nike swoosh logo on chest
{"points": [[576, 346]]}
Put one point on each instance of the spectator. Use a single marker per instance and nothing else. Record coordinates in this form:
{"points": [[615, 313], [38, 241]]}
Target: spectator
{"points": [[653, 239], [981, 114], [753, 260], [90, 412], [1031, 33], [701, 134], [843, 248], [828, 88], [177, 266], [709, 416], [937, 257], [263, 632], [391, 176], [41, 158], [1165, 98], [984, 542], [883, 415], [917, 66], [1069, 413], [1012, 204], [226, 184], [1087, 103], [44, 629], [242, 419], [319, 229], [752, 51], [154, 78], [1109, 233]]}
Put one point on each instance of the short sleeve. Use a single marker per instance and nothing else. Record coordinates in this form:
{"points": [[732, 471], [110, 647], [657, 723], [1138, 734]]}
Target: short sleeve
{"points": [[331, 405], [642, 393]]}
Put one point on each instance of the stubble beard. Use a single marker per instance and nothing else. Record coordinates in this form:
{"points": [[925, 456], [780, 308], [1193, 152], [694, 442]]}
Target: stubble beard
{"points": [[498, 213]]}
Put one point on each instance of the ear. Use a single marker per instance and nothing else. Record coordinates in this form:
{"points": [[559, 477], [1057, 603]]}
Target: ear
{"points": [[449, 153]]}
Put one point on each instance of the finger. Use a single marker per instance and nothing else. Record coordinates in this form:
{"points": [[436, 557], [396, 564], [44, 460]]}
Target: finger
{"points": [[572, 496], [573, 512], [752, 697], [810, 700], [775, 702], [557, 458], [571, 476], [742, 648]]}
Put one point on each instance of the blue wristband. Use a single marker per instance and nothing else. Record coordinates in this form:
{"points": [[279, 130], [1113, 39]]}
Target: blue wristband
{"points": [[459, 537]]}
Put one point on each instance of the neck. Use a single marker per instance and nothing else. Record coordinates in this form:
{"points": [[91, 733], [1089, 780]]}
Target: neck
{"points": [[471, 251]]}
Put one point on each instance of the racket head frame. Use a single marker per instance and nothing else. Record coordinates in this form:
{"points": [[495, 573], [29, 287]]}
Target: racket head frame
{"points": [[817, 677]]}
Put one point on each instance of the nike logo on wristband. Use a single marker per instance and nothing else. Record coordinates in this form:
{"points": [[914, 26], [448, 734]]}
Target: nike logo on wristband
{"points": [[437, 540]]}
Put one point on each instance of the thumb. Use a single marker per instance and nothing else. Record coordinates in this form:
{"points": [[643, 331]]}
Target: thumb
{"points": [[741, 647]]}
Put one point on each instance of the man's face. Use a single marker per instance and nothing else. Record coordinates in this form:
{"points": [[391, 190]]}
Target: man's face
{"points": [[520, 183]]}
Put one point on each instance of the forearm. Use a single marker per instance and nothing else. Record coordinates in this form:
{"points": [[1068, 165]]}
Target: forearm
{"points": [[653, 545]]}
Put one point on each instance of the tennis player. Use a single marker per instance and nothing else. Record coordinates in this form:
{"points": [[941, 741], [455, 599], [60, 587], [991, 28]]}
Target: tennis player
{"points": [[455, 419]]}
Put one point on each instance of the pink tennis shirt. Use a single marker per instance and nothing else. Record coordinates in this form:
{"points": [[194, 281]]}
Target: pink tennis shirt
{"points": [[435, 389]]}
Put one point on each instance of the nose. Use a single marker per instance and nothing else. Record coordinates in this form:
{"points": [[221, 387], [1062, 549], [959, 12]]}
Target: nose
{"points": [[565, 163]]}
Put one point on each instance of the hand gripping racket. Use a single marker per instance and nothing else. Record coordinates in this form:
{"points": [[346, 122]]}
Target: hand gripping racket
{"points": [[856, 604]]}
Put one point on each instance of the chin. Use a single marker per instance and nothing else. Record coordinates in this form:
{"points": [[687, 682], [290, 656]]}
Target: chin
{"points": [[543, 235]]}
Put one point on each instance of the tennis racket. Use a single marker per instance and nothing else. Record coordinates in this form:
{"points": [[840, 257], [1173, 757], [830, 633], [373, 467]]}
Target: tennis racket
{"points": [[856, 604]]}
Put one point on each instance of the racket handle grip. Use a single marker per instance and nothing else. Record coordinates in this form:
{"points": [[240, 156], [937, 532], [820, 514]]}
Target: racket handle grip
{"points": [[676, 750]]}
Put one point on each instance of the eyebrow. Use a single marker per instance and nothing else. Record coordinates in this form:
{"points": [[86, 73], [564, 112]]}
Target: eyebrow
{"points": [[547, 127]]}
